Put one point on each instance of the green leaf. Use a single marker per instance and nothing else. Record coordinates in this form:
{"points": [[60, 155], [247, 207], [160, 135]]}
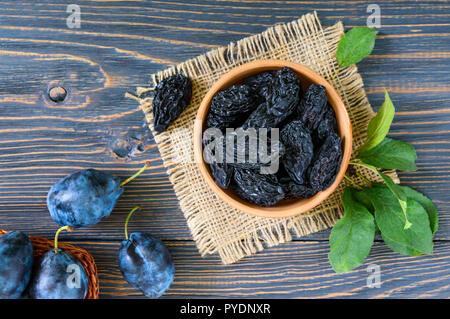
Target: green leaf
{"points": [[391, 154], [400, 248], [380, 124], [398, 193], [394, 188], [364, 198], [390, 219], [355, 45], [426, 203], [352, 236]]}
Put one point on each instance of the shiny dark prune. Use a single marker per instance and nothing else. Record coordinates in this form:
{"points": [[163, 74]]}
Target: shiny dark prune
{"points": [[325, 164], [250, 151], [328, 124], [285, 93], [262, 84], [280, 104], [260, 189], [220, 170], [236, 100], [222, 122], [294, 190], [222, 174], [299, 150], [231, 106], [313, 106], [259, 118], [172, 96]]}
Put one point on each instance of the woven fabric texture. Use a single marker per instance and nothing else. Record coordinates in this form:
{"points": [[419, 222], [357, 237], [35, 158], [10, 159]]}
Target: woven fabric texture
{"points": [[216, 227]]}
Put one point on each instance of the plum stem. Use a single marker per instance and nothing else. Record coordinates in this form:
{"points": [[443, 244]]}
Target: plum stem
{"points": [[129, 179], [128, 218], [68, 228]]}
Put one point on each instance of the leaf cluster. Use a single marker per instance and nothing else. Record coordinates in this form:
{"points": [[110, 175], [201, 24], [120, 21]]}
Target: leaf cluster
{"points": [[405, 218]]}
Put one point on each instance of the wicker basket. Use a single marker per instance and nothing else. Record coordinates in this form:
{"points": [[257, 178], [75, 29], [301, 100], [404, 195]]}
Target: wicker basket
{"points": [[42, 245]]}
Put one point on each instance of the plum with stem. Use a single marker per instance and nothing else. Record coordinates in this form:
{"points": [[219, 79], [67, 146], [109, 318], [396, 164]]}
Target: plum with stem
{"points": [[85, 197], [145, 262], [59, 275]]}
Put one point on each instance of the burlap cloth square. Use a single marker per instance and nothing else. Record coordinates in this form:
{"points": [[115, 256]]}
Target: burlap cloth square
{"points": [[215, 226]]}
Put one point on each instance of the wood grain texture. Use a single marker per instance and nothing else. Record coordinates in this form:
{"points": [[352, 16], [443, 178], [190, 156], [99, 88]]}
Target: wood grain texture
{"points": [[120, 43], [294, 270]]}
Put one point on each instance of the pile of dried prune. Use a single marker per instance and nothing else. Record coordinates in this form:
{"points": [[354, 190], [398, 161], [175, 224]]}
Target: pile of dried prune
{"points": [[306, 144]]}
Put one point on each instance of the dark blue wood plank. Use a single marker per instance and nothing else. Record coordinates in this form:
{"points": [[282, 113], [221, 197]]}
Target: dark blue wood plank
{"points": [[294, 270]]}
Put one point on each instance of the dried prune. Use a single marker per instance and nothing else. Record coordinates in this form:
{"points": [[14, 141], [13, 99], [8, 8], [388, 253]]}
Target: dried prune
{"points": [[221, 122], [220, 170], [250, 149], [325, 164], [299, 150], [231, 106], [328, 124], [300, 191], [281, 101], [236, 100], [172, 96], [259, 118], [262, 84], [260, 189], [222, 174], [285, 93], [294, 190], [312, 106]]}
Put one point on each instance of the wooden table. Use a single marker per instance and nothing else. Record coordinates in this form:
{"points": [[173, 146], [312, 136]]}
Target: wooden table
{"points": [[119, 44]]}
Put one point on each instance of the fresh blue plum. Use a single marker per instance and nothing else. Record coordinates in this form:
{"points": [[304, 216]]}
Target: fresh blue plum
{"points": [[145, 262], [59, 276], [83, 198], [16, 263]]}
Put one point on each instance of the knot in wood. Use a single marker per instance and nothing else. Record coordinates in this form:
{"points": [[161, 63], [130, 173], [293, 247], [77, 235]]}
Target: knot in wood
{"points": [[57, 94]]}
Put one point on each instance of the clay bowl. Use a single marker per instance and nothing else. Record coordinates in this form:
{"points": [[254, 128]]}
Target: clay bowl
{"points": [[284, 208]]}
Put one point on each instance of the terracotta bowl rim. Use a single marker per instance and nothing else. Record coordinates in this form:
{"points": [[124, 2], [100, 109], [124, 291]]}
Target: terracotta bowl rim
{"points": [[295, 207]]}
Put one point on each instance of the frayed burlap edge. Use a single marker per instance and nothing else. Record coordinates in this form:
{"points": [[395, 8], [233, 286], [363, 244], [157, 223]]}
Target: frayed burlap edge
{"points": [[215, 226]]}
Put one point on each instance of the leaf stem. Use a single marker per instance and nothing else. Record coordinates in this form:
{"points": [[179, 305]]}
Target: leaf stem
{"points": [[352, 181], [368, 181], [392, 187], [335, 74], [128, 218], [68, 228], [129, 179]]}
